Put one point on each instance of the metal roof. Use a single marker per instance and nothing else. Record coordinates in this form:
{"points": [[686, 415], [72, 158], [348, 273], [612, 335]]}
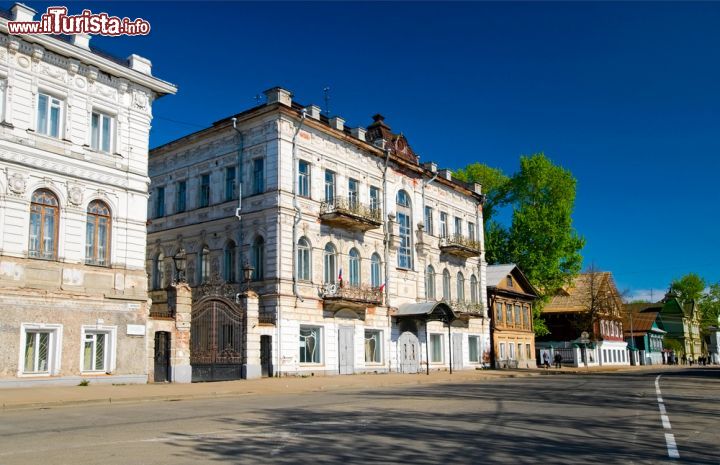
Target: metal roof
{"points": [[427, 309]]}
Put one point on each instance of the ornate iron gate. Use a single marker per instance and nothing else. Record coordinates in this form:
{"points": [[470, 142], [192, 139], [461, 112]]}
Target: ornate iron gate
{"points": [[216, 341], [162, 357]]}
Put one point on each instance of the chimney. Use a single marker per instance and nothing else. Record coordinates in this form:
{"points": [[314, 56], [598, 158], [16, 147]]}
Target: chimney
{"points": [[141, 64], [278, 95], [446, 173], [337, 123], [21, 12], [430, 166], [358, 133], [83, 41], [477, 188], [313, 111]]}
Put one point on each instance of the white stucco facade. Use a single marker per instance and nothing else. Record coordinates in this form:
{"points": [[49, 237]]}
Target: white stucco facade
{"points": [[264, 156], [73, 297]]}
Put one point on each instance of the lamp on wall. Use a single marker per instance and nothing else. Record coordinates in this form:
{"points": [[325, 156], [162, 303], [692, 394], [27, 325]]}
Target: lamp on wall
{"points": [[248, 271], [180, 262]]}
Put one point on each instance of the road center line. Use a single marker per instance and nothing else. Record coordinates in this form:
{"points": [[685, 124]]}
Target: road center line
{"points": [[672, 449]]}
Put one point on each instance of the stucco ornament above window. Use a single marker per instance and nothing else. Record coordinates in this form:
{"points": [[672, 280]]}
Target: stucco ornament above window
{"points": [[17, 183]]}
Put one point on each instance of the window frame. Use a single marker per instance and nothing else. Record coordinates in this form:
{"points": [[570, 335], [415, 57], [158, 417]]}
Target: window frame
{"points": [[354, 268], [54, 348], [430, 283], [320, 358], [230, 262], [353, 195], [160, 202], [98, 144], [404, 220], [378, 333], [181, 196], [46, 131], [474, 294], [38, 208], [330, 264], [437, 339], [476, 340], [376, 280], [303, 180], [203, 264], [443, 224], [204, 191], [460, 284], [258, 258], [94, 258], [258, 176], [230, 183], [109, 355], [447, 285], [330, 186], [428, 221], [374, 199], [303, 260]]}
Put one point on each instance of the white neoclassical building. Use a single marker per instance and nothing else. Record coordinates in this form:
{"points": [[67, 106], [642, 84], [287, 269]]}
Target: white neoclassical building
{"points": [[74, 127], [365, 259]]}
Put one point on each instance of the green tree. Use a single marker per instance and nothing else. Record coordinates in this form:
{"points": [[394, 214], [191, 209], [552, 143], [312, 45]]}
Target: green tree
{"points": [[541, 239], [710, 306], [494, 186], [689, 287], [496, 243]]}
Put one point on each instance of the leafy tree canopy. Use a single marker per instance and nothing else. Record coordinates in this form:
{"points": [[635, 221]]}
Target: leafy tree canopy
{"points": [[689, 287], [493, 182], [710, 306]]}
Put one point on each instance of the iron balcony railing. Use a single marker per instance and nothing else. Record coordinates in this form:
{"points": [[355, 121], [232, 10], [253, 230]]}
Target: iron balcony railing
{"points": [[468, 308], [267, 318], [362, 294], [461, 242], [351, 207]]}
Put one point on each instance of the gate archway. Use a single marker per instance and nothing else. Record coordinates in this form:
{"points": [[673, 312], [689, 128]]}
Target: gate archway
{"points": [[217, 340]]}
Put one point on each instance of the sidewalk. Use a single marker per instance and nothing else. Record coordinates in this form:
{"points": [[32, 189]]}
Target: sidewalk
{"points": [[56, 396]]}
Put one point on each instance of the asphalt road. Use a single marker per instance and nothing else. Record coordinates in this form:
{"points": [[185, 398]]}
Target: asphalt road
{"points": [[563, 419]]}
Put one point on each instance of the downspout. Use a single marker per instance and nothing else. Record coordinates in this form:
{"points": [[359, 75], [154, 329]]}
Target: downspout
{"points": [[238, 210], [422, 213], [296, 220], [386, 232]]}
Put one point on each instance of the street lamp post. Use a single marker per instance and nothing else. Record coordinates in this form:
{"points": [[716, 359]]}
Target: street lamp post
{"points": [[248, 270], [180, 262]]}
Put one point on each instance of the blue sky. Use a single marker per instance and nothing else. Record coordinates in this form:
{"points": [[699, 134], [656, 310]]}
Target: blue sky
{"points": [[625, 95]]}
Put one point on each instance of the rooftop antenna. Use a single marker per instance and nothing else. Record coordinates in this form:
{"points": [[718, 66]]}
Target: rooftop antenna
{"points": [[326, 92]]}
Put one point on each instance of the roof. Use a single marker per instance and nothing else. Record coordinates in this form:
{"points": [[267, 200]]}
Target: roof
{"points": [[496, 273], [643, 317], [574, 297], [441, 310]]}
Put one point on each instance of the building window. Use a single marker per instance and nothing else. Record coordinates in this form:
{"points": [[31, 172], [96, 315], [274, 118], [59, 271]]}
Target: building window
{"points": [[446, 285], [303, 178], [39, 355], [430, 283], [373, 346], [204, 190], [528, 352], [329, 187], [473, 289], [354, 268], [436, 348], [429, 221], [258, 176], [512, 350], [502, 351], [404, 215], [230, 265], [374, 199], [353, 192], [528, 318], [310, 344], [499, 312], [229, 183], [97, 234], [181, 197], [509, 314], [160, 202], [518, 316], [3, 92], [458, 226], [474, 349], [303, 260], [471, 231], [460, 287], [101, 132], [204, 264], [330, 264], [43, 225], [375, 271], [49, 115], [98, 349], [258, 258], [158, 271], [443, 225], [509, 281]]}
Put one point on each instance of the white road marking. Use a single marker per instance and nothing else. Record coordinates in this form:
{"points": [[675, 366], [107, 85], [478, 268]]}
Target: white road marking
{"points": [[672, 449]]}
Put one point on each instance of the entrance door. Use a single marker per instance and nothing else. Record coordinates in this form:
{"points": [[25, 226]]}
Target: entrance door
{"points": [[408, 353], [457, 351], [216, 341], [266, 356], [346, 349], [162, 357]]}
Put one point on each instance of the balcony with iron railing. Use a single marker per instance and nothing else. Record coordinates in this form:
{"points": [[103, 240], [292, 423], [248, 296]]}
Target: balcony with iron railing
{"points": [[460, 246], [266, 317], [350, 214], [467, 309], [336, 297]]}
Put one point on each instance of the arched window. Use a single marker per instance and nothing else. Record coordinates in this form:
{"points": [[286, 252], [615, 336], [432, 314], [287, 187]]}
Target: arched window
{"points": [[460, 287], [330, 264], [430, 283], [354, 268], [97, 234], [446, 285], [303, 259], [230, 262], [158, 269], [404, 219], [375, 271], [258, 258], [204, 265], [43, 225], [473, 289]]}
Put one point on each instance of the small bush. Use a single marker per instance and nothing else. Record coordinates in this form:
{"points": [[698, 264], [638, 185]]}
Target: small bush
{"points": [[84, 382]]}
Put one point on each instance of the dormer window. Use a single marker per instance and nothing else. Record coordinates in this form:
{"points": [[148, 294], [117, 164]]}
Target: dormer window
{"points": [[509, 281]]}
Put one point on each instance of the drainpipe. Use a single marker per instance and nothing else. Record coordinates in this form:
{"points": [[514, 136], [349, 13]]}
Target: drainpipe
{"points": [[238, 210], [422, 213], [296, 207], [386, 232]]}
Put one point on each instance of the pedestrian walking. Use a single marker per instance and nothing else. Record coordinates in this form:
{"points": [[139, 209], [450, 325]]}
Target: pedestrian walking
{"points": [[558, 360], [546, 360]]}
